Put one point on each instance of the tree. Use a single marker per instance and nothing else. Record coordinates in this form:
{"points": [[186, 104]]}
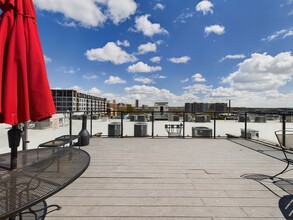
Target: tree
{"points": [[129, 108]]}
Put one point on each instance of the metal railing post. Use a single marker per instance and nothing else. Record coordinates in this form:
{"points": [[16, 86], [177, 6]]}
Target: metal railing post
{"points": [[153, 119], [183, 124], [245, 126], [91, 124], [215, 118], [70, 123], [284, 129], [121, 114]]}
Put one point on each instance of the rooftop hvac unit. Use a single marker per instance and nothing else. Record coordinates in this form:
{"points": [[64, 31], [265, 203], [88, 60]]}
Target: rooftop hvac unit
{"points": [[114, 129], [141, 118], [260, 119], [133, 117], [250, 134], [201, 132], [140, 129]]}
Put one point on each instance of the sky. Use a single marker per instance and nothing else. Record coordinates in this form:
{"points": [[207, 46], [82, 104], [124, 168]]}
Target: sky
{"points": [[175, 51]]}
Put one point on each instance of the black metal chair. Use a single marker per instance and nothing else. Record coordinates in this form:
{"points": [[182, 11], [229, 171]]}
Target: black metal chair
{"points": [[285, 139], [37, 212], [174, 130]]}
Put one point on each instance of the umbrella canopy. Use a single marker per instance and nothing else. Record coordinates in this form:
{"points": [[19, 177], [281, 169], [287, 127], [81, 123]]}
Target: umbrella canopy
{"points": [[24, 88]]}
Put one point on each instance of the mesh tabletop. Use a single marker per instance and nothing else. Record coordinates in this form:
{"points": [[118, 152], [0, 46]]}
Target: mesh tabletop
{"points": [[54, 143], [68, 137], [40, 174]]}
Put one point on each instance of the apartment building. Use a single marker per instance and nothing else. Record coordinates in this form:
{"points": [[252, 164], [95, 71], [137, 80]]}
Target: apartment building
{"points": [[197, 107], [72, 100]]}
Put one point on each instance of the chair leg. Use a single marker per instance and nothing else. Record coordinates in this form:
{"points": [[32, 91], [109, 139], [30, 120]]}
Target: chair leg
{"points": [[288, 163], [55, 208]]}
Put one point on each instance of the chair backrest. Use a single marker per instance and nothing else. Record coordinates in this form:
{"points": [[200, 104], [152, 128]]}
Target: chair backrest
{"points": [[285, 138]]}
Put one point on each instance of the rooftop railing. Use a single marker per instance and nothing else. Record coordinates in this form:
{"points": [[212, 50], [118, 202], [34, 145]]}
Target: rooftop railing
{"points": [[153, 124]]}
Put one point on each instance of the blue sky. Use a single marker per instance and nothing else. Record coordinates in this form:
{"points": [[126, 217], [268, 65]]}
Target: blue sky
{"points": [[171, 50]]}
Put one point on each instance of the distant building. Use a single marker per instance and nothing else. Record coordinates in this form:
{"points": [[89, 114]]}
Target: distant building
{"points": [[121, 107], [145, 107], [161, 111], [112, 108], [72, 100], [136, 103], [161, 107], [196, 107]]}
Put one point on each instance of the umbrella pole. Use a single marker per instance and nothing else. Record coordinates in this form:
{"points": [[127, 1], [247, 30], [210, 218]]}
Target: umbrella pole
{"points": [[14, 135], [25, 136]]}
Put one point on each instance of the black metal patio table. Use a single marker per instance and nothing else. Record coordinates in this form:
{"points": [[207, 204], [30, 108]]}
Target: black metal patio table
{"points": [[61, 141], [69, 139], [40, 173]]}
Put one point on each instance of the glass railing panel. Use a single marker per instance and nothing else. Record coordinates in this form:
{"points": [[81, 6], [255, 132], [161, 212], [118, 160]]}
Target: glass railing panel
{"points": [[4, 138], [259, 126], [262, 126]]}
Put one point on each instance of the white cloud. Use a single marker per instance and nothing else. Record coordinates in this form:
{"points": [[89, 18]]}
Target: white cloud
{"points": [[77, 88], [156, 59], [198, 89], [90, 77], [89, 13], [69, 70], [159, 6], [183, 59], [143, 80], [262, 73], [114, 80], [216, 29], [205, 7], [147, 94], [110, 52], [250, 99], [151, 94], [146, 48], [222, 92], [94, 91], [124, 43], [142, 89], [121, 10], [281, 34], [206, 93], [86, 13], [142, 24], [286, 3], [288, 34], [232, 57], [47, 59], [186, 14], [159, 76], [198, 78], [67, 23], [141, 67], [184, 80]]}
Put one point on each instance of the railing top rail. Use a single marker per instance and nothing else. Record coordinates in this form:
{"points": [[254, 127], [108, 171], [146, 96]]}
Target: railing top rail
{"points": [[277, 112]]}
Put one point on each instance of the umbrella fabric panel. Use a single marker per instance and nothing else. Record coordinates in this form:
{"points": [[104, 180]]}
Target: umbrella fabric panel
{"points": [[41, 101], [26, 93], [6, 23]]}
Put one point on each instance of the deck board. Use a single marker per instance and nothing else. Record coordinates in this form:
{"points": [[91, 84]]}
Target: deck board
{"points": [[167, 179]]}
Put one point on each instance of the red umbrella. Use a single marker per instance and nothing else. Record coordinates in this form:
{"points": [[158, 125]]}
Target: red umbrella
{"points": [[24, 88], [6, 23]]}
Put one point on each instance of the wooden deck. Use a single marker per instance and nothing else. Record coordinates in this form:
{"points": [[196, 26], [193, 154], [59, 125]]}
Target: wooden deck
{"points": [[168, 179]]}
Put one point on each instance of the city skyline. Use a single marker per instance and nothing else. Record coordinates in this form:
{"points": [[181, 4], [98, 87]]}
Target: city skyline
{"points": [[174, 51]]}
